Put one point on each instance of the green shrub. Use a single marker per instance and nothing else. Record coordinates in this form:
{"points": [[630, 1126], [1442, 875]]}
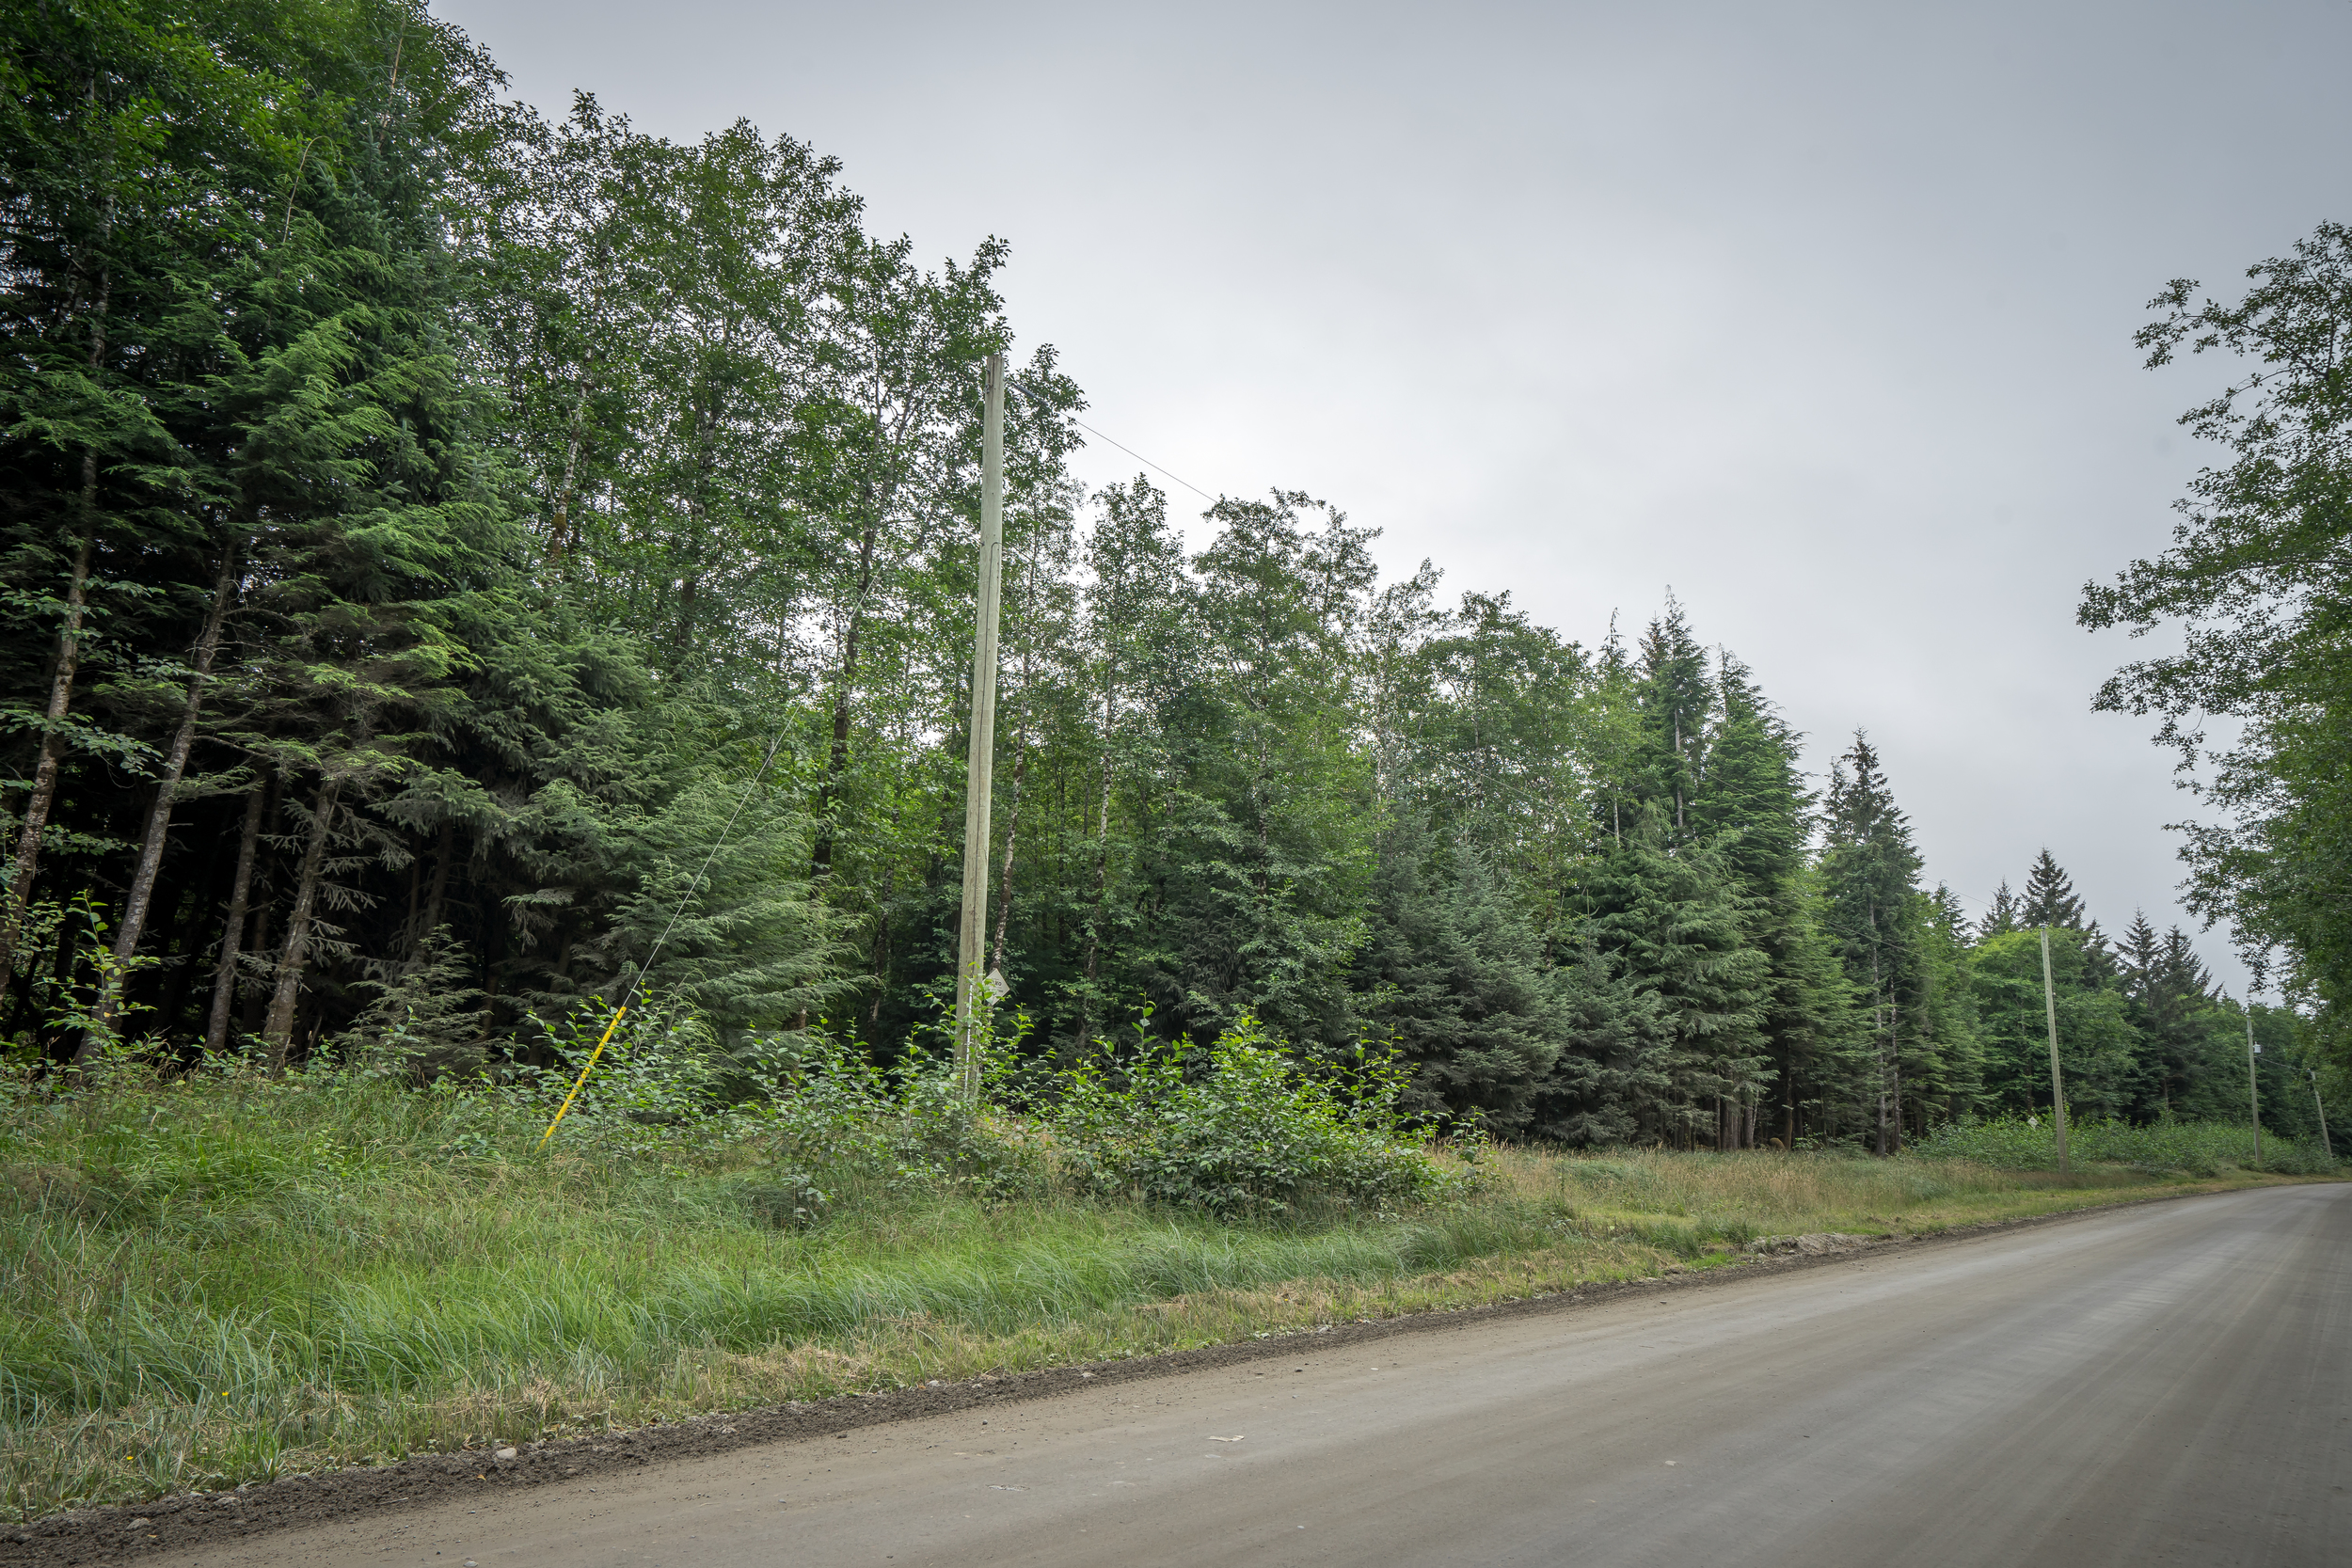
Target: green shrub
{"points": [[1245, 1129]]}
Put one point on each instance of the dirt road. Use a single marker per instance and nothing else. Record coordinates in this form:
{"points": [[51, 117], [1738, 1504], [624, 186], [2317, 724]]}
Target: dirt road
{"points": [[2164, 1384]]}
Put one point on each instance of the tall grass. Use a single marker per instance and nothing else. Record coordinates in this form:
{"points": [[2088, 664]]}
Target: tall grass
{"points": [[2189, 1148], [229, 1278]]}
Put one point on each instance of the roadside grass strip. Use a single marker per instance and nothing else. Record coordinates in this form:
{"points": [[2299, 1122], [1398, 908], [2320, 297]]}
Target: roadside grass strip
{"points": [[208, 1283]]}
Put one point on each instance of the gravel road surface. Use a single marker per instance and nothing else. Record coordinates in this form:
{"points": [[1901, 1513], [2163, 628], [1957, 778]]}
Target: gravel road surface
{"points": [[2166, 1383]]}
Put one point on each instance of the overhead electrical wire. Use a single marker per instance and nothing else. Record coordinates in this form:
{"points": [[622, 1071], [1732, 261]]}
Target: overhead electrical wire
{"points": [[1131, 451]]}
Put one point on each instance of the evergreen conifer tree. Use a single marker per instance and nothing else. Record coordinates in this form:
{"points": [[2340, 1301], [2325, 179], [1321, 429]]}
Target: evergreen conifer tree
{"points": [[2050, 899], [1456, 975], [1869, 872], [1676, 701], [1753, 804], [1612, 1075], [1674, 924]]}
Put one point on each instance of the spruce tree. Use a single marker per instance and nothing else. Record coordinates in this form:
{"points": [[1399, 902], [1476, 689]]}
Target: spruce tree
{"points": [[1753, 806], [1676, 701], [1874, 908], [2050, 899], [1455, 973], [1674, 923], [1261, 848], [1611, 1076]]}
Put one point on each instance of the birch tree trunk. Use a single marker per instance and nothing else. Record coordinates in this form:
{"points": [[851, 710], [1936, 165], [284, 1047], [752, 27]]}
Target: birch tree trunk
{"points": [[560, 526]]}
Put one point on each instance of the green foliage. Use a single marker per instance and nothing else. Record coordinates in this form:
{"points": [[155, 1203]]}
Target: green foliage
{"points": [[228, 1278], [2254, 584], [528, 478], [1245, 1129], [2097, 1044], [426, 1020], [1457, 976], [2200, 1148]]}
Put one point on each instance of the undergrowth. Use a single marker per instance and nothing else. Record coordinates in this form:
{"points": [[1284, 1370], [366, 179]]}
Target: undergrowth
{"points": [[225, 1278], [2200, 1148]]}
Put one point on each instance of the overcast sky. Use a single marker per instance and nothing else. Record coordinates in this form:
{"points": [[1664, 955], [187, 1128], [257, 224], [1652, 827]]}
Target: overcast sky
{"points": [[1819, 315]]}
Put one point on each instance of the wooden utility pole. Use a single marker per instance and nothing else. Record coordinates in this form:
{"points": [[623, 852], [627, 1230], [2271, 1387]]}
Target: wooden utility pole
{"points": [[979, 761], [2058, 1080], [2253, 1097], [2327, 1146]]}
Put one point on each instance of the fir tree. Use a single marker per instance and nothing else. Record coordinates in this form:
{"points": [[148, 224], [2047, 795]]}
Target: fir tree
{"points": [[1456, 975], [2001, 914], [1674, 924], [1613, 1071], [1673, 698], [1751, 802], [2167, 992], [2049, 898], [1873, 906]]}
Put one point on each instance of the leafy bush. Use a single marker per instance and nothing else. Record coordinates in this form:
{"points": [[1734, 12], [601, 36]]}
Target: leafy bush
{"points": [[1247, 1128], [834, 1108]]}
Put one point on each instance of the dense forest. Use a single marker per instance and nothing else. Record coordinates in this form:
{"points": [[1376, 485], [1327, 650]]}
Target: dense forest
{"points": [[426, 525]]}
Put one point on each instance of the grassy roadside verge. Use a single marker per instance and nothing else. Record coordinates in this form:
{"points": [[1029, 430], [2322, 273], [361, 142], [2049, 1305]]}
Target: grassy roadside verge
{"points": [[219, 1282]]}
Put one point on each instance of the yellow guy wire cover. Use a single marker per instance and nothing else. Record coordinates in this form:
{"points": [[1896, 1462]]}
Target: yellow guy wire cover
{"points": [[582, 1080]]}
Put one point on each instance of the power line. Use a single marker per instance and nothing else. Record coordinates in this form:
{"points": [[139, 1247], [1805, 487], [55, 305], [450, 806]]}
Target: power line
{"points": [[1121, 446]]}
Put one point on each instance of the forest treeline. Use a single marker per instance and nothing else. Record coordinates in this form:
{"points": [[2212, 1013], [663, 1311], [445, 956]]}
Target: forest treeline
{"points": [[422, 517]]}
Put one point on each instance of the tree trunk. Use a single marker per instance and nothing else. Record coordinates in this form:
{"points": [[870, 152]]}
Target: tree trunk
{"points": [[560, 526], [881, 971], [688, 593], [159, 819], [1894, 1079], [232, 931], [1101, 867], [186, 937], [1013, 831], [53, 736], [36, 805], [837, 755], [433, 904], [411, 939], [279, 1030]]}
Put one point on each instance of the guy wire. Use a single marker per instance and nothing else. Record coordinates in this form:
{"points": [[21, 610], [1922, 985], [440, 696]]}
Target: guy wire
{"points": [[630, 993]]}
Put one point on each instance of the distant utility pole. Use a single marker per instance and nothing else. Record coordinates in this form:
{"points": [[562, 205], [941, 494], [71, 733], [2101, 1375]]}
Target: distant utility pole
{"points": [[2253, 1098], [980, 761], [2058, 1080], [2325, 1147]]}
